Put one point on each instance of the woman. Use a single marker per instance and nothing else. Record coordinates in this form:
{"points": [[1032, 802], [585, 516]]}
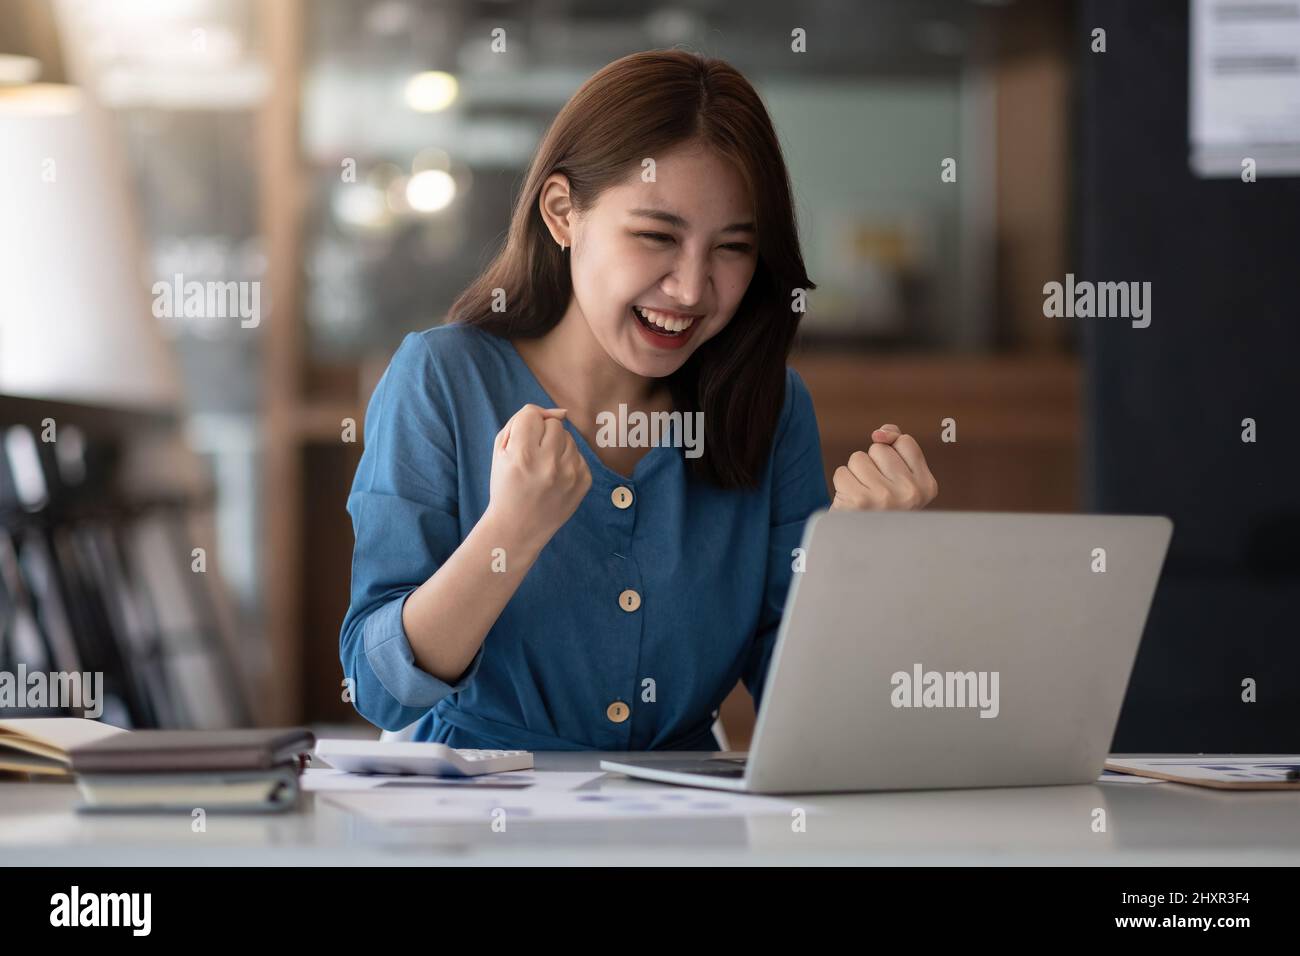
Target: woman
{"points": [[522, 578]]}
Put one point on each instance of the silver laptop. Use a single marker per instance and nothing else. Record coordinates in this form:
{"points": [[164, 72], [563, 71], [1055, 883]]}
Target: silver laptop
{"points": [[944, 649]]}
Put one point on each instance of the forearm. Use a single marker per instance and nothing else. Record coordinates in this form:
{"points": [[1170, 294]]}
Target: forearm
{"points": [[447, 617]]}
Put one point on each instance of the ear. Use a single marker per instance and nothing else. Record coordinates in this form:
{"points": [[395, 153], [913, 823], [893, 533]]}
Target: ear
{"points": [[557, 208]]}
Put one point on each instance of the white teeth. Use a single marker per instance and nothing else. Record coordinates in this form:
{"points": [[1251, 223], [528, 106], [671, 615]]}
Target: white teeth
{"points": [[668, 323]]}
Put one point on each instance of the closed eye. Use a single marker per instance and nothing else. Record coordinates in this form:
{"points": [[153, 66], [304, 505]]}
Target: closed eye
{"points": [[662, 237]]}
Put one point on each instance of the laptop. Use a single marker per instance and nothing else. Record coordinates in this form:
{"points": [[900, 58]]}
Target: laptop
{"points": [[930, 650]]}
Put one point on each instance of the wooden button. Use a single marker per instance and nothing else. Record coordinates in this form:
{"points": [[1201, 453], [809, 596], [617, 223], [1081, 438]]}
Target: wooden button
{"points": [[617, 711], [629, 600], [621, 496]]}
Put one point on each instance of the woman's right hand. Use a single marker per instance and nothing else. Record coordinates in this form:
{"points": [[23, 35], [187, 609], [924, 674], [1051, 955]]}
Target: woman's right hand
{"points": [[539, 476]]}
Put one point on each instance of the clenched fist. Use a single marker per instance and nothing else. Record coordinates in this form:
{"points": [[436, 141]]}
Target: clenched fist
{"points": [[539, 476], [890, 476]]}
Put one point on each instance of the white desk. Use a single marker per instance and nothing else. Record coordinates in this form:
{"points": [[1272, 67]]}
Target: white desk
{"points": [[1162, 823]]}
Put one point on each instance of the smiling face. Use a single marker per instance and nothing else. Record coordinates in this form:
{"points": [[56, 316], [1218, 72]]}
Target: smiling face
{"points": [[659, 267]]}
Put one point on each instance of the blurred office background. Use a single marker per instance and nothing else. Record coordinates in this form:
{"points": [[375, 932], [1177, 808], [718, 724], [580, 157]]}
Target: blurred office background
{"points": [[358, 159]]}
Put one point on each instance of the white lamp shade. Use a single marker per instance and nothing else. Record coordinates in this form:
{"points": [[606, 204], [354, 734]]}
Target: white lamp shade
{"points": [[75, 319]]}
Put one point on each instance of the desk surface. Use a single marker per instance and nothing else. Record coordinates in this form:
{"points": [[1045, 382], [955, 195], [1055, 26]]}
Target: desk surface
{"points": [[1164, 823]]}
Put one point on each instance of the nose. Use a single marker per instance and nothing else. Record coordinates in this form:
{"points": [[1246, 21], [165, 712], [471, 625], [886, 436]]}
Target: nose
{"points": [[688, 280]]}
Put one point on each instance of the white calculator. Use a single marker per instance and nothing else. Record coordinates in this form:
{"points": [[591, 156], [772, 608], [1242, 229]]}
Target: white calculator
{"points": [[411, 757]]}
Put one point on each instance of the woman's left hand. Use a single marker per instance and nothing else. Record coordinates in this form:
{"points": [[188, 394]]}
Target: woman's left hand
{"points": [[890, 476]]}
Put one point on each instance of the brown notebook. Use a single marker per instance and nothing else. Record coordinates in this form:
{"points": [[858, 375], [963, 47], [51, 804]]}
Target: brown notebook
{"points": [[189, 751], [40, 745], [1217, 771]]}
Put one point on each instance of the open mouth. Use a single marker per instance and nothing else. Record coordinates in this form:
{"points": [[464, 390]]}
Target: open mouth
{"points": [[660, 323]]}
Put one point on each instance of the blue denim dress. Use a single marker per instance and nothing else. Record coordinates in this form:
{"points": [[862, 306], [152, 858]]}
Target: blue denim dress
{"points": [[573, 662]]}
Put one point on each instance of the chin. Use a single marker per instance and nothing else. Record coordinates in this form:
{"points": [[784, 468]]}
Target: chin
{"points": [[653, 366]]}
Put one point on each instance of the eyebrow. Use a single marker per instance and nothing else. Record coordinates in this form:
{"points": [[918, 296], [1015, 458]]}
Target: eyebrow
{"points": [[673, 219]]}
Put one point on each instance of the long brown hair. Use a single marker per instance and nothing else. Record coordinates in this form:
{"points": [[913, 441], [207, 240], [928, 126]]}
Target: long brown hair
{"points": [[643, 105]]}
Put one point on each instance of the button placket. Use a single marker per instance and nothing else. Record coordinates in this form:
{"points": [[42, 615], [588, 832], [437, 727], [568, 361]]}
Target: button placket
{"points": [[627, 652]]}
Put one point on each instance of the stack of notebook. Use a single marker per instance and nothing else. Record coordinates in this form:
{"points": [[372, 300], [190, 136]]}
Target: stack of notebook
{"points": [[161, 770]]}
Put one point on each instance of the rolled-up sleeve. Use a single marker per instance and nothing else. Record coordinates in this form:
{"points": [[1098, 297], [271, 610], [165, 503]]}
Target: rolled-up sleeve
{"points": [[798, 489], [405, 521]]}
